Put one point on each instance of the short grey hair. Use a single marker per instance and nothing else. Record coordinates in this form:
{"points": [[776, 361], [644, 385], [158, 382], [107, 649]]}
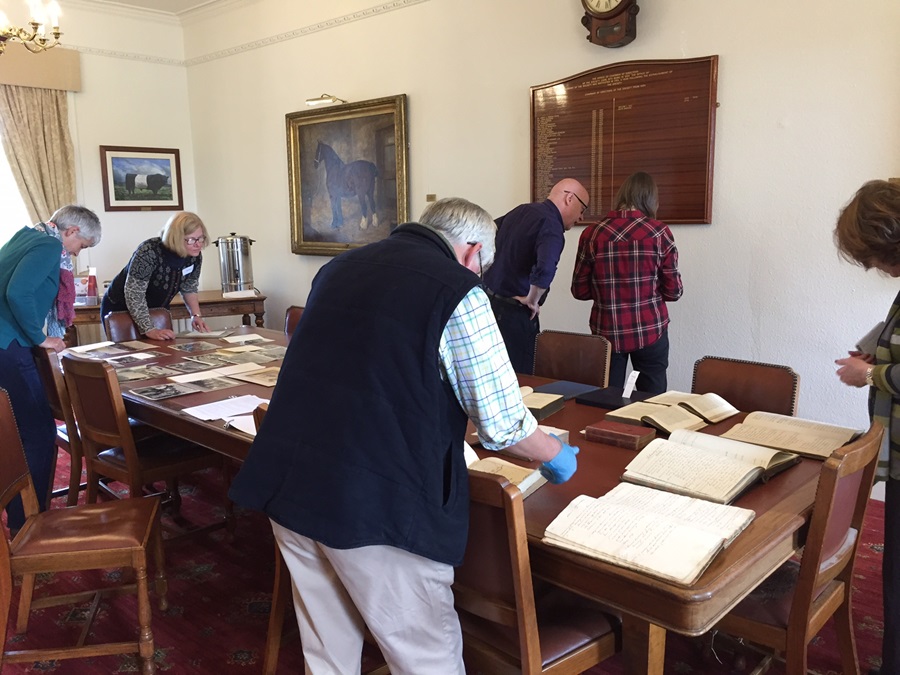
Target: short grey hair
{"points": [[462, 222], [84, 219]]}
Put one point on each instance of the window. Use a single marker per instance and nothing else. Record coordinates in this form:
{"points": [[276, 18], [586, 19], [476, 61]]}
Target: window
{"points": [[15, 215]]}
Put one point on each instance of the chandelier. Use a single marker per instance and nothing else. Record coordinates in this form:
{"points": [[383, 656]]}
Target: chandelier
{"points": [[34, 37]]}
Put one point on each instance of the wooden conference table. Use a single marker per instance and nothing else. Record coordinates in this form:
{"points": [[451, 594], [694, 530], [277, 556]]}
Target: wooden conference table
{"points": [[211, 304], [649, 606]]}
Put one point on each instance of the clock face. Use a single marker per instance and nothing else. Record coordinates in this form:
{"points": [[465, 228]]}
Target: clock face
{"points": [[601, 6]]}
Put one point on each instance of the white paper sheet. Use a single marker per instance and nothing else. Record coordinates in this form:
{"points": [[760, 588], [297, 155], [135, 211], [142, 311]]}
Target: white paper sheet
{"points": [[228, 407]]}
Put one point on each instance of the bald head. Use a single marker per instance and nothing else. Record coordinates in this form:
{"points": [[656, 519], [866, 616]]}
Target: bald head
{"points": [[571, 199]]}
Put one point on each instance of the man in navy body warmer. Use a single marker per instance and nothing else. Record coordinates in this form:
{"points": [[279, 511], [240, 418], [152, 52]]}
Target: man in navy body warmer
{"points": [[359, 463], [530, 240]]}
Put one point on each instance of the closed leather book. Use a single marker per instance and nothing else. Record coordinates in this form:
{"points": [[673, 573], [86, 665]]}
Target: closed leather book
{"points": [[619, 434]]}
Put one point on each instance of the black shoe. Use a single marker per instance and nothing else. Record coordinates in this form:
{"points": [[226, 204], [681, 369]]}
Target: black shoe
{"points": [[875, 671]]}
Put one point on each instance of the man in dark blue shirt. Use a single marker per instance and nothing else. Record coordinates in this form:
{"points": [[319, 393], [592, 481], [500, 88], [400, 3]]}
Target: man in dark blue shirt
{"points": [[530, 239]]}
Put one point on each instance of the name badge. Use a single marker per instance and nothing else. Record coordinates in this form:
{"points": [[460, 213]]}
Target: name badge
{"points": [[187, 270]]}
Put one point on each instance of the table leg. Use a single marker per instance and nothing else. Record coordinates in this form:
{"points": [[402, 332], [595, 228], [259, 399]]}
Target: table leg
{"points": [[643, 646], [259, 319], [245, 319]]}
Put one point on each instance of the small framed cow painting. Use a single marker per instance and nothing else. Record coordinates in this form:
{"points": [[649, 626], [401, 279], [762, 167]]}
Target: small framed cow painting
{"points": [[141, 179], [347, 174]]}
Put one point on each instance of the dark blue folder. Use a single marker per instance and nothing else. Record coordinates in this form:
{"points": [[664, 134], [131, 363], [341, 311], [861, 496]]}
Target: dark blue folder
{"points": [[610, 398]]}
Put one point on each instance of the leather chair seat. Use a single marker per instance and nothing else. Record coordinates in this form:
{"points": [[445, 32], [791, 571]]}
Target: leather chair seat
{"points": [[158, 453], [770, 603], [566, 622], [59, 532], [140, 430]]}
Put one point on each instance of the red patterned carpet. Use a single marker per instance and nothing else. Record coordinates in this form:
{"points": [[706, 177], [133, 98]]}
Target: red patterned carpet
{"points": [[219, 595]]}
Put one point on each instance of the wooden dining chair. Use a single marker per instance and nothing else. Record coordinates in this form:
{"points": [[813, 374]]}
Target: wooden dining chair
{"points": [[292, 318], [112, 450], [512, 623], [67, 437], [748, 385], [790, 607], [575, 357], [120, 327], [86, 537]]}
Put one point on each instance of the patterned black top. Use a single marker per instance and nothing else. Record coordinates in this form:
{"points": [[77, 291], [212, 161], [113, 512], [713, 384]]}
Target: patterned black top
{"points": [[151, 279]]}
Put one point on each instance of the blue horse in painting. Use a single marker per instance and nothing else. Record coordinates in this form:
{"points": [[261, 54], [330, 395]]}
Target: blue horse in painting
{"points": [[356, 179]]}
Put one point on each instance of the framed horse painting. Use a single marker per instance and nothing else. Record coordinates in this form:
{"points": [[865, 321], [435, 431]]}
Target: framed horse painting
{"points": [[347, 174]]}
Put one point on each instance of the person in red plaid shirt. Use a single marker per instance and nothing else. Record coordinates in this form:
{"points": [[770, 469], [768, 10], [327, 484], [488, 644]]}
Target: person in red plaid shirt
{"points": [[628, 265]]}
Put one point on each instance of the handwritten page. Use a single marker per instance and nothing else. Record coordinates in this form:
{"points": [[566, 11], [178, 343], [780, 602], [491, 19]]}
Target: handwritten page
{"points": [[669, 536], [806, 437]]}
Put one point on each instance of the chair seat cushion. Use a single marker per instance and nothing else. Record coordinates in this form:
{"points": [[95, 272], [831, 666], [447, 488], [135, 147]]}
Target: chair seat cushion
{"points": [[139, 430], [90, 527], [770, 603], [565, 622], [163, 450]]}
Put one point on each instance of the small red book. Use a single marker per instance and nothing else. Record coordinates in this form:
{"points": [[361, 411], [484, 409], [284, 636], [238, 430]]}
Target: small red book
{"points": [[619, 434]]}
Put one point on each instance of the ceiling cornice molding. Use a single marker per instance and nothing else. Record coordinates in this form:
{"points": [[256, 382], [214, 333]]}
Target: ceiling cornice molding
{"points": [[128, 56], [111, 7], [337, 22], [328, 24]]}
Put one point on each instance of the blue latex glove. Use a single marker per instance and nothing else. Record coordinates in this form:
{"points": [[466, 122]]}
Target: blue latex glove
{"points": [[563, 466]]}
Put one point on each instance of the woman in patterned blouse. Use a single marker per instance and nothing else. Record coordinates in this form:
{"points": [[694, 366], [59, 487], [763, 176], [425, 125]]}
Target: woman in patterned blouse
{"points": [[158, 269]]}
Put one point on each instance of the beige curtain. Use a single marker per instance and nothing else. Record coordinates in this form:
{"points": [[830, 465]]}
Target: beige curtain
{"points": [[34, 125]]}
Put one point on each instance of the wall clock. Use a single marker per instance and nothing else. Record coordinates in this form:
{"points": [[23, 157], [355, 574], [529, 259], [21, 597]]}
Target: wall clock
{"points": [[610, 23]]}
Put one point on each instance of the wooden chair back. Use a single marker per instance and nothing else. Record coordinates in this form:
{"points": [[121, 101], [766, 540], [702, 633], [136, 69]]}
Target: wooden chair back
{"points": [[576, 357], [67, 436], [120, 327], [99, 409], [793, 605], [748, 385], [292, 318], [501, 617], [14, 476]]}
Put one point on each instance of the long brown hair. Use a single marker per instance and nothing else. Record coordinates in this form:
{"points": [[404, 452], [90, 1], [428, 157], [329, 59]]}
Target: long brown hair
{"points": [[639, 191], [868, 228]]}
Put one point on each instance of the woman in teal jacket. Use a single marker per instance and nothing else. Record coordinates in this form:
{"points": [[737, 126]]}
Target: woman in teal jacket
{"points": [[29, 284]]}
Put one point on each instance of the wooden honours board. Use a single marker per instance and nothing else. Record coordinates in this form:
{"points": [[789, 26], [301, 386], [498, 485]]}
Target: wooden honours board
{"points": [[602, 125]]}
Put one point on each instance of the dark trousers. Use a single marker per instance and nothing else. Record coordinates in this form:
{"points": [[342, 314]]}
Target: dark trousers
{"points": [[519, 332], [890, 573], [19, 377], [651, 361]]}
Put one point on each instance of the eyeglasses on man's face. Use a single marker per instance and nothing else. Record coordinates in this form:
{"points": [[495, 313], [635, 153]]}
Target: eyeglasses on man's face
{"points": [[190, 241], [584, 206]]}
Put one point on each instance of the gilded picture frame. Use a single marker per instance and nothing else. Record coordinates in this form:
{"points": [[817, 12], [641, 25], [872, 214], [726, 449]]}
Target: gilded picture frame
{"points": [[347, 174], [141, 179]]}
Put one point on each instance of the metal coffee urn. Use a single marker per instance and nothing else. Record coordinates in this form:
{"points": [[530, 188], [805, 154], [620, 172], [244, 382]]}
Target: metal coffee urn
{"points": [[234, 263]]}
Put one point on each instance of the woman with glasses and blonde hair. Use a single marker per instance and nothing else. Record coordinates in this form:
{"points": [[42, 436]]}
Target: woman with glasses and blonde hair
{"points": [[158, 269]]}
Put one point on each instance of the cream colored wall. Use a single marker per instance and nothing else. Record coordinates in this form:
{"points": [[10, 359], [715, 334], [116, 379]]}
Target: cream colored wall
{"points": [[809, 110], [134, 93]]}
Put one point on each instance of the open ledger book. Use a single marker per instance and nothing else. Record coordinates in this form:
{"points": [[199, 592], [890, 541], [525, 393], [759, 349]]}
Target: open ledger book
{"points": [[805, 437], [667, 418], [711, 407], [704, 466], [525, 478], [665, 535]]}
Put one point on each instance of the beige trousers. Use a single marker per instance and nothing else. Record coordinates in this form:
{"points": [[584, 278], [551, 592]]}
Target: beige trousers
{"points": [[404, 599]]}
